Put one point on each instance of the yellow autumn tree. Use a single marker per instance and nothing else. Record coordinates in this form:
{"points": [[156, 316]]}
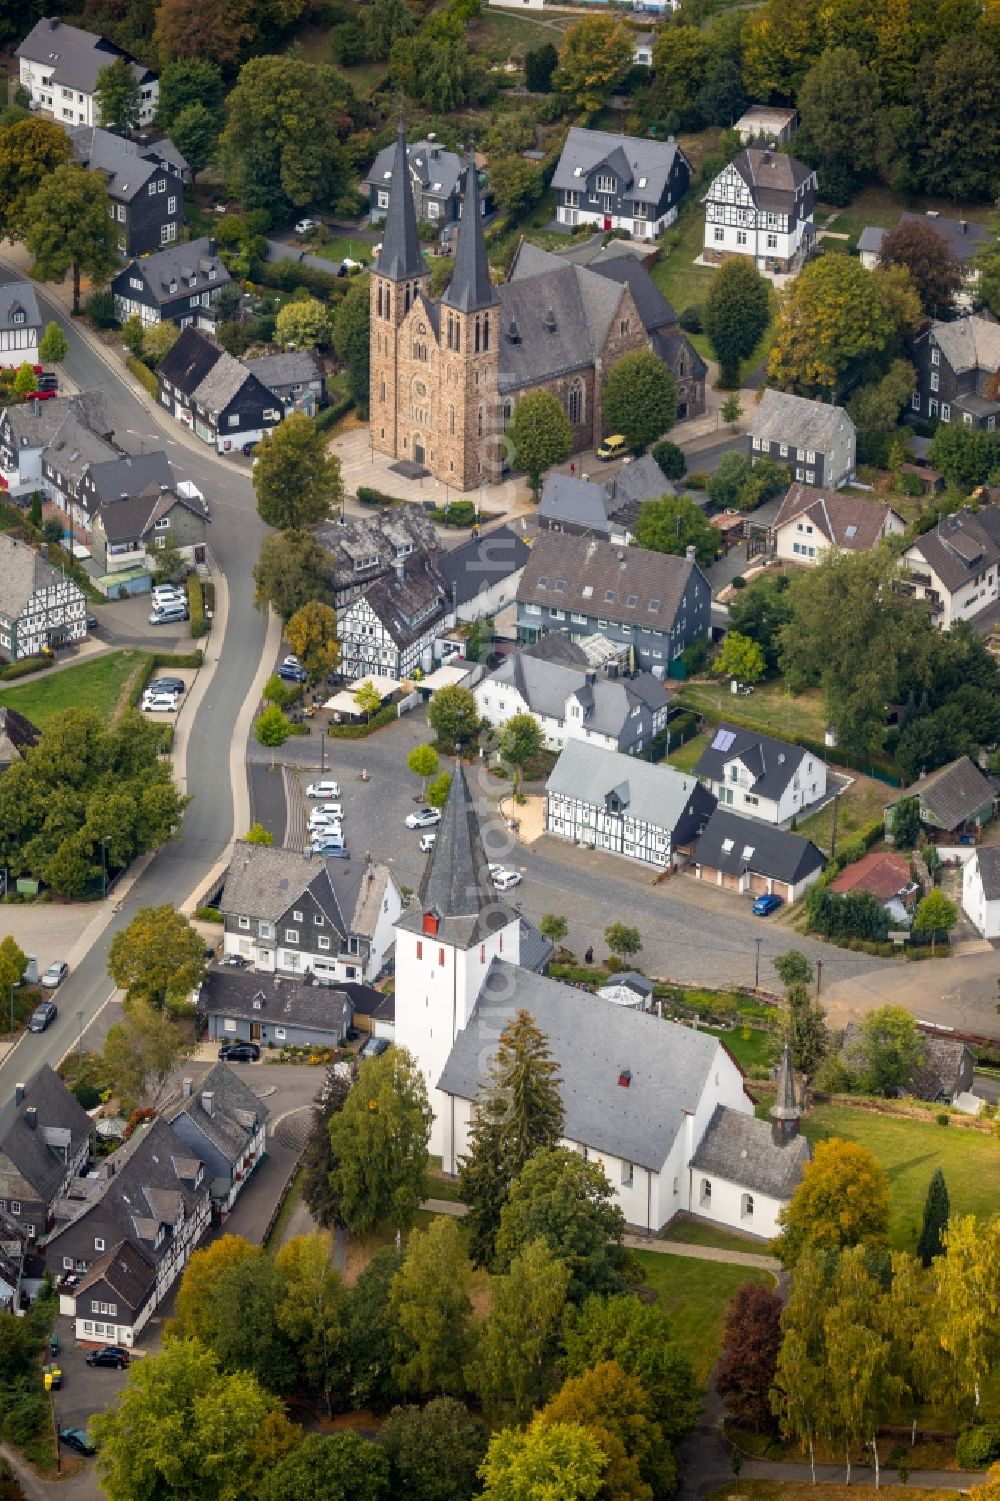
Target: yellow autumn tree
{"points": [[596, 54], [843, 1200]]}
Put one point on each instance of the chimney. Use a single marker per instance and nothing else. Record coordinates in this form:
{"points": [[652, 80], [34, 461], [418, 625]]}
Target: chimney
{"points": [[690, 554], [31, 1116], [211, 245], [186, 1087], [18, 1094], [624, 1078], [590, 677], [208, 1102]]}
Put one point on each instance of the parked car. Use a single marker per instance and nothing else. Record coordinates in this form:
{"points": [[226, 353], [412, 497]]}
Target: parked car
{"points": [[325, 824], [92, 621], [55, 974], [44, 1012], [166, 593], [427, 843], [374, 1047], [291, 660], [327, 844], [171, 614], [166, 685], [292, 674], [329, 810], [323, 789], [159, 703], [115, 1356], [239, 1052], [765, 905], [236, 961], [78, 1439], [424, 818], [505, 879], [303, 226], [613, 447]]}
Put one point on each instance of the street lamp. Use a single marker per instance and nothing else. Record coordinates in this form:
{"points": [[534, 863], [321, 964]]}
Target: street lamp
{"points": [[79, 1040], [756, 972]]}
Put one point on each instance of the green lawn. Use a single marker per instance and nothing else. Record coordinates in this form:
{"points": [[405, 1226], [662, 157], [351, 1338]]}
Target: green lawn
{"points": [[770, 708], [751, 1047], [511, 36], [880, 206], [339, 249], [860, 805], [695, 1295], [694, 1233], [687, 756], [910, 1151], [97, 684]]}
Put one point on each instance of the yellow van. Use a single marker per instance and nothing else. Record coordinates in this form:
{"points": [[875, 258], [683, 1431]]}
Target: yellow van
{"points": [[614, 447]]}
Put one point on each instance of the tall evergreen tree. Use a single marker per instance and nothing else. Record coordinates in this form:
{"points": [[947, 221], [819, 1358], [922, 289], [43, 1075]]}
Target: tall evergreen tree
{"points": [[937, 1208], [519, 1111]]}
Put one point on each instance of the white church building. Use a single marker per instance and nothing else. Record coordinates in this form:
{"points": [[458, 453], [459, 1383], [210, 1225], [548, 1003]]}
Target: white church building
{"points": [[662, 1107]]}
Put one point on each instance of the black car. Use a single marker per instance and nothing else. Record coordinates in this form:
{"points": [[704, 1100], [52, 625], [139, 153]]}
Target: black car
{"points": [[236, 961], [166, 685], [92, 624], [115, 1356], [374, 1047], [239, 1052], [44, 1012], [77, 1438]]}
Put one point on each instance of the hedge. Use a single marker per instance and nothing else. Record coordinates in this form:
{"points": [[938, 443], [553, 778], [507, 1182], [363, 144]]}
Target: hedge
{"points": [[378, 721], [194, 658], [143, 375], [332, 414], [209, 914], [371, 497], [287, 275], [459, 513], [196, 605], [25, 667]]}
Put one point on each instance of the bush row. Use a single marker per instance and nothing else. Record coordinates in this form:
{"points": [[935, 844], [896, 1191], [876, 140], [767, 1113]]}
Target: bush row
{"points": [[288, 275], [196, 606], [143, 375], [24, 668], [385, 716], [369, 496], [331, 415]]}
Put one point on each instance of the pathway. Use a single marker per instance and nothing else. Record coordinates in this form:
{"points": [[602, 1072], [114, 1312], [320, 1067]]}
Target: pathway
{"points": [[704, 1253]]}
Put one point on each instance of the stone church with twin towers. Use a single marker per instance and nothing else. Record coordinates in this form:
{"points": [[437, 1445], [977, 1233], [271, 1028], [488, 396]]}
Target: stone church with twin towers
{"points": [[447, 372]]}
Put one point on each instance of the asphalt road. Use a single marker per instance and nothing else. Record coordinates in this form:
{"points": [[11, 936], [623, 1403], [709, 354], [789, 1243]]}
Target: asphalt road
{"points": [[235, 538]]}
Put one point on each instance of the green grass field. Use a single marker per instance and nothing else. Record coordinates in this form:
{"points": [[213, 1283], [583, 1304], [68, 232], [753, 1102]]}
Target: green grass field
{"points": [[860, 805], [687, 756], [752, 1048], [695, 1295], [339, 249], [694, 1233], [770, 708], [97, 684], [910, 1151]]}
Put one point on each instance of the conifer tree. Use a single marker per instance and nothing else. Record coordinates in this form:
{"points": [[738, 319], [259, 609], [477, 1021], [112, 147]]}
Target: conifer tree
{"points": [[936, 1211]]}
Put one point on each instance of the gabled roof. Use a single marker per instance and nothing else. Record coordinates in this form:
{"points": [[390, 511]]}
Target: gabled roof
{"points": [[988, 861], [135, 517], [127, 1270], [408, 606], [846, 521], [657, 795], [554, 317], [18, 297], [607, 703], [737, 845], [174, 266], [772, 176], [654, 309], [670, 344], [75, 446], [122, 162], [275, 999], [56, 1109], [32, 424], [187, 364], [881, 872], [400, 258], [476, 565], [263, 881], [22, 573], [470, 287], [772, 763], [641, 480], [782, 418], [579, 501], [438, 171], [961, 546], [629, 584], [939, 1074], [236, 1112], [290, 368], [964, 238], [76, 57], [969, 343], [742, 1150], [953, 794], [128, 475], [376, 541], [594, 1043], [642, 166]]}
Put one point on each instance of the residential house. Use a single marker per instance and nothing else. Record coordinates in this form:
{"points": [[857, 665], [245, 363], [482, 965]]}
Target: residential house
{"points": [[390, 630], [955, 803], [886, 876], [944, 1073], [225, 1125], [366, 549], [20, 324], [145, 198], [177, 285], [59, 66], [103, 482], [957, 365], [274, 1010], [481, 576], [296, 377], [17, 736], [374, 1011], [628, 988], [761, 205], [652, 604], [435, 176], [27, 429], [215, 395], [575, 701], [816, 441], [153, 1193], [65, 461], [39, 605], [620, 182], [981, 890], [113, 1301], [45, 1140], [767, 125], [955, 567], [963, 240], [287, 913], [742, 855], [762, 777], [812, 521], [608, 510], [609, 801], [128, 533]]}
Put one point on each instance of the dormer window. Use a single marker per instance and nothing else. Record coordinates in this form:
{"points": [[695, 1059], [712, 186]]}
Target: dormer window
{"points": [[18, 316], [430, 924]]}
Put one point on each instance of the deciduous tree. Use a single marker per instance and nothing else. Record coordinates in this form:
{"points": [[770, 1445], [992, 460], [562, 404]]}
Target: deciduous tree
{"points": [[292, 570], [682, 56], [311, 1311], [736, 313], [434, 1452], [875, 410], [560, 1461], [517, 182], [539, 65], [24, 379], [257, 834], [431, 1312], [437, 792], [844, 123], [118, 96], [959, 154], [297, 482], [937, 1208], [271, 729], [437, 68], [158, 340], [740, 658], [595, 55], [352, 341], [640, 398], [66, 227], [843, 1200], [967, 1303], [615, 1410], [423, 762], [379, 1144], [934, 271], [935, 914], [52, 349], [760, 610], [13, 963], [188, 81], [383, 22], [157, 958], [520, 742], [540, 435], [30, 150], [888, 1052], [334, 1467], [672, 525], [750, 1345], [806, 1030], [281, 142], [516, 1360], [623, 941], [554, 927], [317, 1161], [195, 133], [141, 1052], [862, 1381], [799, 1396], [209, 31], [303, 325], [367, 698], [454, 718], [368, 1349], [312, 635]]}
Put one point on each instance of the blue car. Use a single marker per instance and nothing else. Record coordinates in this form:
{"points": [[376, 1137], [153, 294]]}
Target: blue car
{"points": [[765, 905], [292, 674]]}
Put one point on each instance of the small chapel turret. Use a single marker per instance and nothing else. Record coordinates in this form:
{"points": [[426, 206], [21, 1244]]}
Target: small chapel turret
{"points": [[785, 1113]]}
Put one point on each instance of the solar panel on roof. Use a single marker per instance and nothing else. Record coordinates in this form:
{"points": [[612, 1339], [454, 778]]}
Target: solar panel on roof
{"points": [[723, 740], [852, 530]]}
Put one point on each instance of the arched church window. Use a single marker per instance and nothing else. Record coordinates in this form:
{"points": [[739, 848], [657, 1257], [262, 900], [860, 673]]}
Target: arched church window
{"points": [[576, 402]]}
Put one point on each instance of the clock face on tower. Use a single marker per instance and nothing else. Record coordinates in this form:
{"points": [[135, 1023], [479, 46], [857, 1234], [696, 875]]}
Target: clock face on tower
{"points": [[421, 328], [419, 389]]}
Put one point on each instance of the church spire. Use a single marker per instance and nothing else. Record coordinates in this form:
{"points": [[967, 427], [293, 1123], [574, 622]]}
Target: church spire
{"points": [[785, 1113], [457, 880], [400, 258], [470, 287]]}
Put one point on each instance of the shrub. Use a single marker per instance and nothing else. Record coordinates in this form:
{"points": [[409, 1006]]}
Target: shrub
{"points": [[289, 275], [697, 480], [696, 654], [385, 716], [690, 319], [943, 1118], [196, 605], [670, 458], [24, 668], [209, 914], [459, 513], [369, 496], [332, 414], [910, 484], [143, 374], [100, 309], [978, 1446], [193, 658], [87, 1096], [739, 582]]}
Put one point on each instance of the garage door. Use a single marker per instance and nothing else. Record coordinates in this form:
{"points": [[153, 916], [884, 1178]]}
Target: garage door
{"points": [[758, 884], [730, 882]]}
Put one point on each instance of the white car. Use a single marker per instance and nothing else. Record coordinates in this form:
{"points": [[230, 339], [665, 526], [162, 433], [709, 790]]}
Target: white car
{"points": [[423, 819], [323, 789], [159, 703], [505, 879], [305, 225], [427, 843], [494, 868], [352, 265], [291, 660], [327, 810], [319, 827], [164, 593]]}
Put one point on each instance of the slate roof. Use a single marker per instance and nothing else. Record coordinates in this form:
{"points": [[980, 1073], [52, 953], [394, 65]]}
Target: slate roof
{"points": [[26, 1147], [19, 297], [641, 480], [988, 859], [567, 498], [742, 1150], [199, 369], [771, 176], [17, 735], [380, 536], [772, 763], [175, 265], [359, 888], [657, 795], [408, 607], [607, 702], [166, 152], [123, 477], [135, 517], [670, 344], [940, 1073], [481, 562], [535, 950], [961, 546], [881, 872], [456, 884], [75, 446], [964, 238], [22, 573], [33, 424], [400, 258], [369, 1001], [654, 309], [870, 239], [592, 1042], [263, 881], [291, 368], [757, 847], [600, 579], [953, 793], [437, 170], [127, 1270], [782, 418], [283, 1001], [470, 286], [77, 56], [847, 521], [627, 979], [970, 343], [122, 162], [632, 158], [237, 1113], [554, 318]]}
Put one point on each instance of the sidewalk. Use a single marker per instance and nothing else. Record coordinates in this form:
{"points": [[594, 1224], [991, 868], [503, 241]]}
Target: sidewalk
{"points": [[704, 1253]]}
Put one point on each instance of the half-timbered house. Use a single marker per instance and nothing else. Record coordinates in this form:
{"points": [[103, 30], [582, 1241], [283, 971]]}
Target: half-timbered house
{"points": [[39, 606], [761, 205], [390, 630]]}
